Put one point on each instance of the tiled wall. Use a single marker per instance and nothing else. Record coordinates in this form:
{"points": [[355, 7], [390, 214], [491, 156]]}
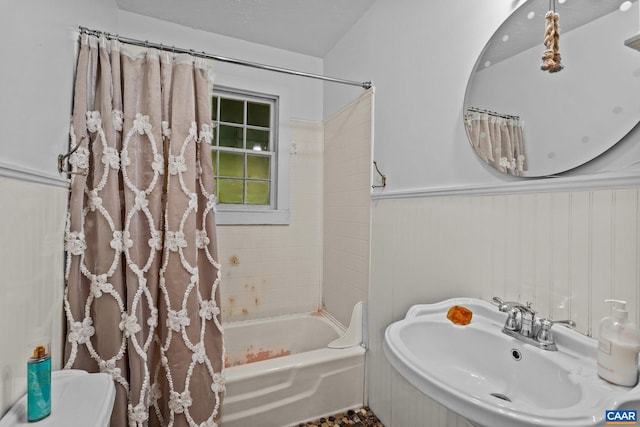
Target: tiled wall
{"points": [[347, 207], [32, 220], [564, 251], [276, 270]]}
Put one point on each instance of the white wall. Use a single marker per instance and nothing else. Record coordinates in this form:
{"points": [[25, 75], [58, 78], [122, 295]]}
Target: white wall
{"points": [[347, 207], [565, 251], [419, 56], [36, 77]]}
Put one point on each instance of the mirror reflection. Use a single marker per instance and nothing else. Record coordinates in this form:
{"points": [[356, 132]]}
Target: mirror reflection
{"points": [[528, 122]]}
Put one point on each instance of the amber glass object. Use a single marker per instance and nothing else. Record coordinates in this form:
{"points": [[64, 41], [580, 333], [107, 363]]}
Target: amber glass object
{"points": [[459, 315]]}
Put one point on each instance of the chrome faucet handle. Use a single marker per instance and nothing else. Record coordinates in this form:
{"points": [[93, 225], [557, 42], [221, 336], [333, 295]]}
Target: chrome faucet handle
{"points": [[567, 323], [512, 320], [544, 334]]}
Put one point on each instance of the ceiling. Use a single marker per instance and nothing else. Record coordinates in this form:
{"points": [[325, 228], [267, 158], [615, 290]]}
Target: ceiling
{"points": [[310, 27]]}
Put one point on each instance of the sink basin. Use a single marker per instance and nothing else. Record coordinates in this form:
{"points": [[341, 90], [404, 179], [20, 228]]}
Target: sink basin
{"points": [[495, 380]]}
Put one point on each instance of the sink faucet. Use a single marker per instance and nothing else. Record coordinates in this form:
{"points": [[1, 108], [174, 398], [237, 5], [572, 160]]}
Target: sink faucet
{"points": [[525, 325]]}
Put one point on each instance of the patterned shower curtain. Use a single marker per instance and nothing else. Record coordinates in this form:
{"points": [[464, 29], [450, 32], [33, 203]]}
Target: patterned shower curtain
{"points": [[142, 298], [499, 141]]}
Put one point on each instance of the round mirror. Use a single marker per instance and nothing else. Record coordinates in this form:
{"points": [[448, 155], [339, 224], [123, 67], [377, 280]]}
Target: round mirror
{"points": [[528, 122]]}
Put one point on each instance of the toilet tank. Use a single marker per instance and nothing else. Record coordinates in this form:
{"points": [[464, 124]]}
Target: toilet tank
{"points": [[78, 399]]}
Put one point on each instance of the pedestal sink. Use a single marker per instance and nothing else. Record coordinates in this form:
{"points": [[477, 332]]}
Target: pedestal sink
{"points": [[494, 380]]}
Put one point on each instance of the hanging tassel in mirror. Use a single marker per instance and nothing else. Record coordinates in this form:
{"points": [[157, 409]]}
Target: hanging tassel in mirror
{"points": [[556, 44], [551, 60]]}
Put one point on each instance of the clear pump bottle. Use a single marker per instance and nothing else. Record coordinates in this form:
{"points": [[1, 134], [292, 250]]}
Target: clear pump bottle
{"points": [[618, 346]]}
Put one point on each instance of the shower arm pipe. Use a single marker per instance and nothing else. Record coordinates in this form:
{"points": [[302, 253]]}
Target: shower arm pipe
{"points": [[145, 43]]}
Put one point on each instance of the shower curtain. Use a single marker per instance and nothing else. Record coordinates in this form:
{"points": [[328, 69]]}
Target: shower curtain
{"points": [[142, 298], [499, 141]]}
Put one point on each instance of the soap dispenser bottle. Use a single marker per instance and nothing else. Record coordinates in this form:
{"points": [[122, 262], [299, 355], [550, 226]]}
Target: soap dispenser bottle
{"points": [[39, 384], [618, 346]]}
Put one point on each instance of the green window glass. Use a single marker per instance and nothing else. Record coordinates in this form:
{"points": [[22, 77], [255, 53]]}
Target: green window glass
{"points": [[258, 140], [231, 111], [258, 167], [258, 114], [231, 164], [257, 192], [230, 191], [231, 136], [243, 149]]}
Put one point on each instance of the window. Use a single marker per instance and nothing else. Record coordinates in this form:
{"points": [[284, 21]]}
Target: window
{"points": [[245, 156]]}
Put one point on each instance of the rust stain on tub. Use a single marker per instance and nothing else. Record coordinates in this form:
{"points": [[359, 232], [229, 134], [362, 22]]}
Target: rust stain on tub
{"points": [[266, 354], [257, 356]]}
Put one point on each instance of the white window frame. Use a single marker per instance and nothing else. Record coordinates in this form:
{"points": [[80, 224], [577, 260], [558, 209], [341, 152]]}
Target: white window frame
{"points": [[277, 213]]}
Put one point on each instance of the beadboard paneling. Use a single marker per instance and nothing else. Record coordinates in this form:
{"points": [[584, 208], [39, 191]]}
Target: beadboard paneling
{"points": [[32, 218], [564, 251]]}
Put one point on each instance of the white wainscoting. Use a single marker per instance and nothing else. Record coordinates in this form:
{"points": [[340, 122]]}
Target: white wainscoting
{"points": [[563, 251], [32, 219]]}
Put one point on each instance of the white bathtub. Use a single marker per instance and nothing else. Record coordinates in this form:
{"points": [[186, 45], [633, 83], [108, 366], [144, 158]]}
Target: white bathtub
{"points": [[281, 372]]}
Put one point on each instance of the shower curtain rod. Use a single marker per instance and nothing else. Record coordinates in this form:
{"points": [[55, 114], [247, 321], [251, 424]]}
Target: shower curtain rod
{"points": [[145, 43], [493, 113]]}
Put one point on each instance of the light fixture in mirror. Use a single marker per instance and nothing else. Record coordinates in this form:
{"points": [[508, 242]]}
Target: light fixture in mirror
{"points": [[565, 118]]}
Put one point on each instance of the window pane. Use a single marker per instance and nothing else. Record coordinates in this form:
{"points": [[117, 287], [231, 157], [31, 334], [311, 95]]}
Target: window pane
{"points": [[231, 164], [258, 114], [258, 193], [258, 166], [231, 136], [257, 140], [231, 191], [214, 108], [243, 148], [231, 111]]}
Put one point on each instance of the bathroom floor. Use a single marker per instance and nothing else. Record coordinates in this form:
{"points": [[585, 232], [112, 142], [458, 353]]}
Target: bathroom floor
{"points": [[362, 417]]}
